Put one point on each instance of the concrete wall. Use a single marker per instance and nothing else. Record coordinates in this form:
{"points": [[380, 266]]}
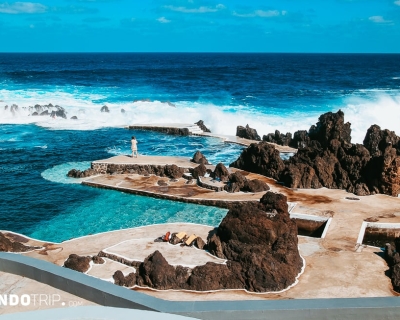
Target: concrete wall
{"points": [[108, 294]]}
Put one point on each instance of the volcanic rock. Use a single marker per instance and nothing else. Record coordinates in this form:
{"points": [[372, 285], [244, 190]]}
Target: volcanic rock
{"points": [[199, 171], [74, 118], [45, 113], [300, 139], [202, 126], [104, 109], [221, 172], [247, 133], [6, 245], [74, 173], [34, 114], [260, 158], [199, 158], [121, 280], [199, 243], [77, 263], [235, 183], [98, 260], [157, 273], [255, 185], [173, 171], [259, 241], [327, 158], [278, 138]]}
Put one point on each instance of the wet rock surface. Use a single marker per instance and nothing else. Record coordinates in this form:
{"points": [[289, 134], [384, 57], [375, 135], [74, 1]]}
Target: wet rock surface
{"points": [[74, 173], [77, 263], [328, 159]]}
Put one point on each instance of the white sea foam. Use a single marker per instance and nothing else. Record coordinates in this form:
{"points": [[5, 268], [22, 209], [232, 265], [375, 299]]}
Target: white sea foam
{"points": [[378, 107]]}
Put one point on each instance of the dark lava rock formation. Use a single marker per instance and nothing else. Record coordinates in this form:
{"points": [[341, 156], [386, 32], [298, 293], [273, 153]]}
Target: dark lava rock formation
{"points": [[247, 133], [124, 281], [327, 158], [199, 158], [77, 263], [220, 172], [202, 126], [7, 245], [74, 173], [104, 109], [278, 138], [259, 241], [392, 257], [237, 182]]}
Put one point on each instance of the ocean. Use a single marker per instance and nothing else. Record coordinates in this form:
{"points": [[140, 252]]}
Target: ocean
{"points": [[267, 91]]}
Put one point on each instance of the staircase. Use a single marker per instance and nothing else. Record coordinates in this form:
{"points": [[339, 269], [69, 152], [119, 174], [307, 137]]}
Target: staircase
{"points": [[194, 129]]}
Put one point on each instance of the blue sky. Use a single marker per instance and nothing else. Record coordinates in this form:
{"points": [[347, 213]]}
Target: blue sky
{"points": [[200, 26]]}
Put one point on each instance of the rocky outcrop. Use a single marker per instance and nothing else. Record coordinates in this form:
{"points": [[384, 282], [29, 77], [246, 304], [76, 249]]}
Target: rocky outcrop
{"points": [[74, 173], [237, 182], [173, 171], [199, 158], [278, 138], [300, 139], [98, 260], [7, 245], [261, 158], [77, 263], [247, 133], [199, 171], [220, 172], [124, 281], [327, 158], [259, 241], [202, 126], [392, 257], [104, 109], [167, 130]]}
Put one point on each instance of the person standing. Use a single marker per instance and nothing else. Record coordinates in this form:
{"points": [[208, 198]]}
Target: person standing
{"points": [[134, 147]]}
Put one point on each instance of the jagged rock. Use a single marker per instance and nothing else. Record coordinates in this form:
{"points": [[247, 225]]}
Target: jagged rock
{"points": [[260, 158], [122, 110], [74, 118], [173, 171], [259, 241], [121, 280], [331, 126], [300, 139], [199, 243], [221, 172], [278, 138], [326, 158], [98, 260], [215, 247], [263, 246], [45, 113], [7, 245], [255, 185], [247, 133], [104, 109], [199, 158], [202, 126], [77, 263], [34, 114], [235, 183], [74, 173], [199, 171], [157, 273]]}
